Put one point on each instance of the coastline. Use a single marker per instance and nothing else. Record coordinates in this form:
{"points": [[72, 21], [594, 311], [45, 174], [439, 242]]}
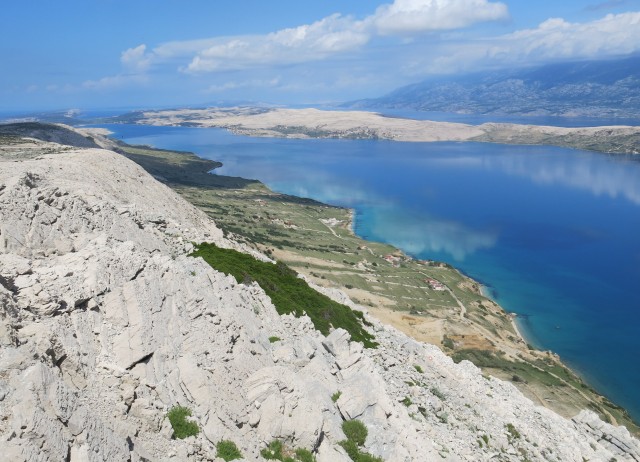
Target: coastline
{"points": [[412, 322], [315, 123], [483, 290], [515, 318]]}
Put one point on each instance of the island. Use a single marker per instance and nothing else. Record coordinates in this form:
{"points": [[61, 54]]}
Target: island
{"points": [[316, 123]]}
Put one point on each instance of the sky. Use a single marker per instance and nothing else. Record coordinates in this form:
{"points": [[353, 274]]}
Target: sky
{"points": [[93, 54]]}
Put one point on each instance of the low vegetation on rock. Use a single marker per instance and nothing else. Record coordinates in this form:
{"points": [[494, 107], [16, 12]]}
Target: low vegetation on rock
{"points": [[227, 450], [289, 293], [277, 450], [356, 433], [182, 427]]}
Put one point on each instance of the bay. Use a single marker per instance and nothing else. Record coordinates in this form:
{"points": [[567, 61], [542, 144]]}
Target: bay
{"points": [[552, 232]]}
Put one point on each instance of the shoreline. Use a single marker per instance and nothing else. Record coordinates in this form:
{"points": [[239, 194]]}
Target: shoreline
{"points": [[515, 317], [315, 123], [481, 288]]}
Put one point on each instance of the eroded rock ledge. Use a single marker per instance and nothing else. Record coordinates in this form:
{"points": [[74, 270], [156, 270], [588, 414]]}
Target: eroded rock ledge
{"points": [[106, 323]]}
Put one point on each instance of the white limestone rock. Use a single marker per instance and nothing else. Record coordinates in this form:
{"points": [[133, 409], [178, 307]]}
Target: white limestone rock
{"points": [[106, 323]]}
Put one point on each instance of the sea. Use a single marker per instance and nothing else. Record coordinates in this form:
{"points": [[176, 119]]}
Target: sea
{"points": [[552, 233]]}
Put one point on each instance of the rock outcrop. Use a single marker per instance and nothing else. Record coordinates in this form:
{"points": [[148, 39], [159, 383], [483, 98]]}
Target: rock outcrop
{"points": [[106, 323]]}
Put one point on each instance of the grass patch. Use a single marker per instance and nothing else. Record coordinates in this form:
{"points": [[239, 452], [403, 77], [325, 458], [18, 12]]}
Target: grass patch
{"points": [[274, 339], [304, 455], [289, 294], [336, 396], [513, 434], [438, 393], [182, 427], [448, 343], [418, 368], [227, 450], [276, 450], [273, 451], [351, 448], [356, 433]]}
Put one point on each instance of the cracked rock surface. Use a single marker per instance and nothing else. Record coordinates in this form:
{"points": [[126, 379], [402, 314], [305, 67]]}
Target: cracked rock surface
{"points": [[106, 323]]}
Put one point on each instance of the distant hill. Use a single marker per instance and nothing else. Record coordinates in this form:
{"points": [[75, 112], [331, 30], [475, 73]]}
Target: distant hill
{"points": [[608, 88]]}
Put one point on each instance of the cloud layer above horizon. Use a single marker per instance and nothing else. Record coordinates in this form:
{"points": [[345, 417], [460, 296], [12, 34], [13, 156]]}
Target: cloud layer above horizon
{"points": [[344, 56], [415, 27], [334, 34]]}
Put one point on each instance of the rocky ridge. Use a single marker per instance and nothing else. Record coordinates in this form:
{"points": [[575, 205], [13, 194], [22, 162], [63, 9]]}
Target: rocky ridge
{"points": [[314, 123], [607, 88], [106, 323]]}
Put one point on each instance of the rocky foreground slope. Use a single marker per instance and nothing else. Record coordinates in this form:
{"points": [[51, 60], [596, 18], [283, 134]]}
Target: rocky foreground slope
{"points": [[106, 323]]}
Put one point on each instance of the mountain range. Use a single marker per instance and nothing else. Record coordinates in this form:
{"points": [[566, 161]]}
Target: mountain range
{"points": [[605, 88]]}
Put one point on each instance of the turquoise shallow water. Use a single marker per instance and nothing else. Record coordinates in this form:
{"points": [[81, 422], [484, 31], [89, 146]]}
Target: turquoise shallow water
{"points": [[553, 233]]}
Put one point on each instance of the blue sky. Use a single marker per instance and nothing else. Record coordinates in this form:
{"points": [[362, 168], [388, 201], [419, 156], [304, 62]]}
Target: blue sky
{"points": [[157, 53]]}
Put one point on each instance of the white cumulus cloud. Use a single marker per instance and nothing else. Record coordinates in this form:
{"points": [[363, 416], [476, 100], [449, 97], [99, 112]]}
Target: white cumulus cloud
{"points": [[557, 38], [554, 39], [331, 35], [136, 58], [417, 16]]}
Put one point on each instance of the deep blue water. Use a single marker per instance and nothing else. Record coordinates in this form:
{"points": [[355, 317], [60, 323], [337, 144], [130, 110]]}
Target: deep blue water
{"points": [[554, 233]]}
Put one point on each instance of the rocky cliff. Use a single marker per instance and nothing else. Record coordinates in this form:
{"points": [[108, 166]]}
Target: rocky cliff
{"points": [[106, 323]]}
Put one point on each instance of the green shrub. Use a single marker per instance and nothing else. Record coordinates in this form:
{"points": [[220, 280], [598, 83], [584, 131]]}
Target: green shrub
{"points": [[418, 368], [274, 339], [351, 448], [438, 393], [182, 427], [355, 431], [366, 457], [276, 450], [228, 450], [289, 293], [273, 451], [513, 433], [304, 455], [336, 396], [407, 401]]}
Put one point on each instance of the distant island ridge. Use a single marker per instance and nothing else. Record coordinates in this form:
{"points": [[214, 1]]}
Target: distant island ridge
{"points": [[586, 88], [316, 123]]}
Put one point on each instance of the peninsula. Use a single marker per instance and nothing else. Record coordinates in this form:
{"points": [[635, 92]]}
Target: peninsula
{"points": [[315, 123], [111, 324]]}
